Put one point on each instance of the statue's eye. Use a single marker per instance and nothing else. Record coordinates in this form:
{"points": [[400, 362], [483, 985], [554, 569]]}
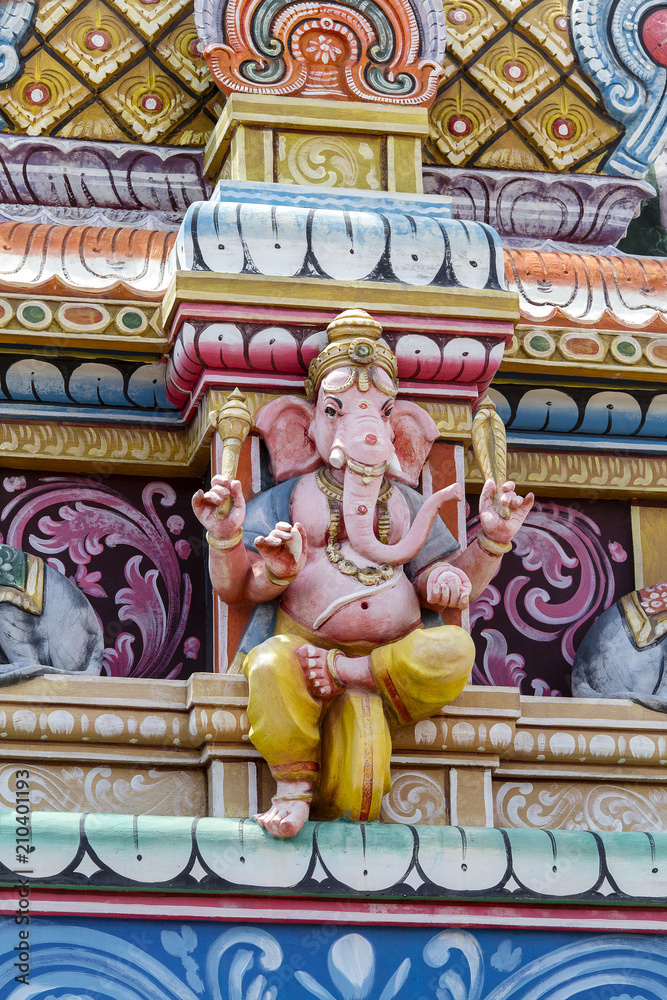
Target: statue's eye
{"points": [[330, 412], [387, 413]]}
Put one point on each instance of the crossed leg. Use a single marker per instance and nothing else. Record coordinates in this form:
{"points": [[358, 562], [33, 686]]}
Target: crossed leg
{"points": [[291, 684], [326, 673]]}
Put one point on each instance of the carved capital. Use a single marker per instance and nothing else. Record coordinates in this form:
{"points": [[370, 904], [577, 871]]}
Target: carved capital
{"points": [[387, 51]]}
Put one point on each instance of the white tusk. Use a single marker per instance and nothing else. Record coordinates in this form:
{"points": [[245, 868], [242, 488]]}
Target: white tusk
{"points": [[337, 458], [394, 466], [294, 545]]}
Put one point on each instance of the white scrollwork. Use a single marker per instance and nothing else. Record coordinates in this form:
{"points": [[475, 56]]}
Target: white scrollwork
{"points": [[584, 969], [323, 160], [604, 808], [452, 984], [414, 798], [97, 789]]}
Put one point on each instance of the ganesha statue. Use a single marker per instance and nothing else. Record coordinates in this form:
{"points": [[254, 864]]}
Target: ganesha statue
{"points": [[349, 568]]}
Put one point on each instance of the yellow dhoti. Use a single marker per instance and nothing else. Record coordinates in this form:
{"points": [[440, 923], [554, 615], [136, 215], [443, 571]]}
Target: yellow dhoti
{"points": [[415, 676]]}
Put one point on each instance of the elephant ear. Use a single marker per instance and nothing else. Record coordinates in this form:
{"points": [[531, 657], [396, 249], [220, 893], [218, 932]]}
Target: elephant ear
{"points": [[284, 425], [414, 434]]}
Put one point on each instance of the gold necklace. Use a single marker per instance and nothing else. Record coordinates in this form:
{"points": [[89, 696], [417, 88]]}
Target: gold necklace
{"points": [[333, 491]]}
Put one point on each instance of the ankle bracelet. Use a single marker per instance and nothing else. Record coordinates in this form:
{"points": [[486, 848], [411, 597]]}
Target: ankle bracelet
{"points": [[331, 667], [297, 797]]}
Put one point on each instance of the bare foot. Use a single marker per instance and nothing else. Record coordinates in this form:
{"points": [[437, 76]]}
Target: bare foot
{"points": [[289, 810], [321, 684], [352, 672], [285, 817]]}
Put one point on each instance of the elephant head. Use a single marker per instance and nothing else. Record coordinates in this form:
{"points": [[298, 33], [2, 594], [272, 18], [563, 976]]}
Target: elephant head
{"points": [[353, 423]]}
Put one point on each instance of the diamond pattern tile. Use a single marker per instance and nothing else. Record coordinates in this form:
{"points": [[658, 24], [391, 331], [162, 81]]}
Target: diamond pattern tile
{"points": [[50, 13], [114, 71], [510, 152], [129, 70], [470, 24], [194, 132], [92, 123], [517, 99], [148, 101], [151, 18], [43, 95], [566, 129], [180, 50], [548, 25], [96, 42], [462, 120], [514, 72]]}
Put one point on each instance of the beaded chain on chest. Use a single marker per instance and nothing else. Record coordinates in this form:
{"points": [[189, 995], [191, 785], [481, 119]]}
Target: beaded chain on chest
{"points": [[333, 491]]}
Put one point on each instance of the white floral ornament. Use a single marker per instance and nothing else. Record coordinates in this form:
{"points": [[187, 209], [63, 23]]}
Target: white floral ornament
{"points": [[323, 49], [351, 965]]}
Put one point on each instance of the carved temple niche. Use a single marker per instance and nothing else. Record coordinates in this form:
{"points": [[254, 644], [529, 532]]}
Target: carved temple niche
{"points": [[334, 95]]}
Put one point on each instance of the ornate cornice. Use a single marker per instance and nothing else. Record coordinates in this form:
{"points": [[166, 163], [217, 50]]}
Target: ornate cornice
{"points": [[153, 449], [83, 260], [567, 352], [263, 229], [528, 207], [562, 290], [568, 289], [208, 711], [133, 449], [487, 743], [225, 334], [582, 474], [118, 327], [373, 861], [99, 175], [582, 416]]}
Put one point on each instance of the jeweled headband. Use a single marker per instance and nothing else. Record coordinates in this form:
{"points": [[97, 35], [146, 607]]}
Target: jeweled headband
{"points": [[353, 341]]}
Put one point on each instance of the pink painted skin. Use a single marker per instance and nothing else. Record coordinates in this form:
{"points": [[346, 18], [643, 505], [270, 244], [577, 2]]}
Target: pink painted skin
{"points": [[352, 425]]}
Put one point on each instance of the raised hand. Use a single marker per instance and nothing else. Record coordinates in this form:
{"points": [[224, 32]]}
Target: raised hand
{"points": [[448, 587], [283, 550], [207, 508], [496, 527]]}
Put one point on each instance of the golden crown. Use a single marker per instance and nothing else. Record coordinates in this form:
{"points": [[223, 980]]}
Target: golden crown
{"points": [[353, 341]]}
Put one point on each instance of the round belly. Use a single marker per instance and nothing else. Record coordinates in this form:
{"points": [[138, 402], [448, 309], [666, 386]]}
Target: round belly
{"points": [[341, 609]]}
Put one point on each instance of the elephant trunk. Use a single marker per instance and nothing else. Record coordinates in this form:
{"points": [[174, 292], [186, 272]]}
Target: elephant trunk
{"points": [[359, 500]]}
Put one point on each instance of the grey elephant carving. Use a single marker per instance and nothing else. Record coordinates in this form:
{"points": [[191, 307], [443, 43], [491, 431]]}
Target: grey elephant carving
{"points": [[47, 625], [624, 653]]}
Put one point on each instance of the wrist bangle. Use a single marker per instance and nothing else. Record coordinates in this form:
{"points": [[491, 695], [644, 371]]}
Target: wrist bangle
{"points": [[491, 547], [223, 543], [331, 667], [278, 581]]}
